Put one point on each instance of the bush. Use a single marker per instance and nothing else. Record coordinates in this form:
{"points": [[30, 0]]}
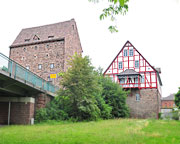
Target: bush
{"points": [[175, 115], [85, 95], [41, 115], [115, 97]]}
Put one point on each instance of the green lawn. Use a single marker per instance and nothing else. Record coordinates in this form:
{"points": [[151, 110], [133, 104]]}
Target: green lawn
{"points": [[120, 131]]}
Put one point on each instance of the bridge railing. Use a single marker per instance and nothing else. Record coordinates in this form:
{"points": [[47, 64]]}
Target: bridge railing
{"points": [[15, 70]]}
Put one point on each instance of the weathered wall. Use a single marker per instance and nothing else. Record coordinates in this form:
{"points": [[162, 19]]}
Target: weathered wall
{"points": [[45, 54], [3, 112], [21, 113], [41, 100], [147, 107], [167, 103]]}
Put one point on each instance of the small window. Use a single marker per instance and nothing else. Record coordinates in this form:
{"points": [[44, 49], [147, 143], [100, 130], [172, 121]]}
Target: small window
{"points": [[39, 66], [27, 67], [122, 81], [50, 37], [27, 40], [125, 52], [120, 65], [47, 55], [136, 64], [137, 97], [24, 49], [52, 66], [35, 47], [131, 52], [142, 79], [47, 46]]}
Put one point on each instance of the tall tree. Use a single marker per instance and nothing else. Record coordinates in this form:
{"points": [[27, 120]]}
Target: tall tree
{"points": [[79, 89], [177, 99], [115, 7]]}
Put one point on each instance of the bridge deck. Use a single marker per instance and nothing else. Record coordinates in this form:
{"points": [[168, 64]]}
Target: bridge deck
{"points": [[11, 73]]}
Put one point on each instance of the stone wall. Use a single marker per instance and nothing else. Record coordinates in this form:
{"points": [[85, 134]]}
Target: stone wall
{"points": [[45, 54], [147, 107], [41, 100]]}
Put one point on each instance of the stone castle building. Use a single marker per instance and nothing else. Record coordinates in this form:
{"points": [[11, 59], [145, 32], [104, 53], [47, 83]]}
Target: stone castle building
{"points": [[45, 50], [133, 72]]}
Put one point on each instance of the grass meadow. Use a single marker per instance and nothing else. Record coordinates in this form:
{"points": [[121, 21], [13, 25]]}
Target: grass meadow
{"points": [[118, 131]]}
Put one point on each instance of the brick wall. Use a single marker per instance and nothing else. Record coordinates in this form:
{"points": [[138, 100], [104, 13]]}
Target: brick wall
{"points": [[147, 107], [167, 104], [21, 113], [45, 54], [4, 112]]}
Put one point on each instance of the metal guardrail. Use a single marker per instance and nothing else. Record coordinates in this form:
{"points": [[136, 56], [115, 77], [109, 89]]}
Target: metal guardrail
{"points": [[15, 70]]}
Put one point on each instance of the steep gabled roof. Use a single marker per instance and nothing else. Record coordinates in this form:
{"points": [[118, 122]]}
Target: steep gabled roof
{"points": [[159, 78], [44, 33]]}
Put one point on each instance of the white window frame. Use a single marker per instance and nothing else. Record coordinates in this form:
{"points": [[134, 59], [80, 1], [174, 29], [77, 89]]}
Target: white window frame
{"points": [[131, 52], [120, 65], [137, 64], [138, 97], [51, 65], [125, 52], [39, 66], [143, 79]]}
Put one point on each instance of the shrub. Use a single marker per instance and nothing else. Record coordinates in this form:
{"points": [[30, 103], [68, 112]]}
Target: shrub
{"points": [[175, 115]]}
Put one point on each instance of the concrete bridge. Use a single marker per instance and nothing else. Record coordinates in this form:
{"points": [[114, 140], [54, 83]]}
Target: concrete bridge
{"points": [[21, 93]]}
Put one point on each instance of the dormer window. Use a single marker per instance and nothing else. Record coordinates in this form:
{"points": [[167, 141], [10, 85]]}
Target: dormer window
{"points": [[125, 52], [27, 40], [36, 37], [50, 37]]}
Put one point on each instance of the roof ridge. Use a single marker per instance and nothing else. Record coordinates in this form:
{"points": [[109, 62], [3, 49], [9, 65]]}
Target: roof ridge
{"points": [[48, 24]]}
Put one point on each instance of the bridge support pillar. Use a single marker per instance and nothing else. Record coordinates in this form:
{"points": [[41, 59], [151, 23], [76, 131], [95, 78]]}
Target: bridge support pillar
{"points": [[41, 100], [21, 110]]}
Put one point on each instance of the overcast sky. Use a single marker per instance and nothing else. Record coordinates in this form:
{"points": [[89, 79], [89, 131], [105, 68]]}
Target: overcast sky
{"points": [[152, 26]]}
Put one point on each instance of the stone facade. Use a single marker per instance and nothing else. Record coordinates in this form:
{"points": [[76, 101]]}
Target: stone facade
{"points": [[48, 48], [41, 100], [147, 106]]}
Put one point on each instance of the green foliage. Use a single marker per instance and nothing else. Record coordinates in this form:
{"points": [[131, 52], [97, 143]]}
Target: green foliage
{"points": [[41, 115], [53, 111], [177, 99], [116, 7], [85, 95], [115, 96], [80, 88], [175, 115]]}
